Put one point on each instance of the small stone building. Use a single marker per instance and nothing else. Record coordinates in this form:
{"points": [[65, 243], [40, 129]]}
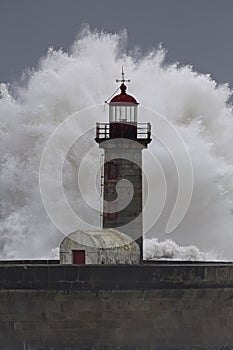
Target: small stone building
{"points": [[99, 247]]}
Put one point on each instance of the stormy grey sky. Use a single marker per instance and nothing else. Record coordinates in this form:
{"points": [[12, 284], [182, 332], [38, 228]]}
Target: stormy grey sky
{"points": [[194, 32]]}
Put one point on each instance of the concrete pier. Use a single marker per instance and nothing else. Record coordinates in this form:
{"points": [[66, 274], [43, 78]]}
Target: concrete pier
{"points": [[147, 306]]}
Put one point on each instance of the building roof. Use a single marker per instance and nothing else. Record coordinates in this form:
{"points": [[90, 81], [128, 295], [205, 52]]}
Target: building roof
{"points": [[123, 97], [108, 238]]}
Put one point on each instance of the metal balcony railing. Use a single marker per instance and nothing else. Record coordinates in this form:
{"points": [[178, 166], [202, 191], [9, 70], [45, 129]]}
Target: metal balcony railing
{"points": [[104, 131]]}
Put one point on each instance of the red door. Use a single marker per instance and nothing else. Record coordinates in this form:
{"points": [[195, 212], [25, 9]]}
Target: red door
{"points": [[78, 257]]}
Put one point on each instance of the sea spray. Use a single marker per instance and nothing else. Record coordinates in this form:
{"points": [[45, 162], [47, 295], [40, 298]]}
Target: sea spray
{"points": [[169, 250], [64, 83]]}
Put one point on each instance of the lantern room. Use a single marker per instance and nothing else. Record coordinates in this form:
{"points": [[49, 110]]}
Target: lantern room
{"points": [[123, 108]]}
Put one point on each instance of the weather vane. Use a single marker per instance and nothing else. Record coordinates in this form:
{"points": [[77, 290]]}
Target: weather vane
{"points": [[122, 80]]}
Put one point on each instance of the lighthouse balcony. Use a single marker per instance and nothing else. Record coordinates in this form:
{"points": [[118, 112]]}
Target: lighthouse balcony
{"points": [[140, 132]]}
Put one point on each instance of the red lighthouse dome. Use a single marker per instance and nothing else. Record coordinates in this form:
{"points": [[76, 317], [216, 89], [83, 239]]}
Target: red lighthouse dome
{"points": [[123, 97]]}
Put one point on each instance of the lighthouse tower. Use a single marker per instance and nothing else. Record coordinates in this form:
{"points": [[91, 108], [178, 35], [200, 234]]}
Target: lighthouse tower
{"points": [[123, 138]]}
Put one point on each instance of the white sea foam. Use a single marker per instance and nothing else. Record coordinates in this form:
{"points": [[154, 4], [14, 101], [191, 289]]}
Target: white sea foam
{"points": [[169, 250], [64, 83]]}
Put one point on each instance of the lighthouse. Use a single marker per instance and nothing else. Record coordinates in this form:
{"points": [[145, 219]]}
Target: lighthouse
{"points": [[123, 139]]}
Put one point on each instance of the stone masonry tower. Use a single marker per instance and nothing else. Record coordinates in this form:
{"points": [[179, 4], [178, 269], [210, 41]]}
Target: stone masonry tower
{"points": [[123, 140]]}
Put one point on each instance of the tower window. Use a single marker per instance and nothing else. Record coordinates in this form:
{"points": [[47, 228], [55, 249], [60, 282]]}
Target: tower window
{"points": [[113, 214], [112, 170]]}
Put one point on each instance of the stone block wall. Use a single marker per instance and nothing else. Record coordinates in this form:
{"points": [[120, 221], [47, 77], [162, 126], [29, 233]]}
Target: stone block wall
{"points": [[116, 307]]}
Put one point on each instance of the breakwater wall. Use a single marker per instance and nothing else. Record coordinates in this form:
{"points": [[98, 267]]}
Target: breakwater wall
{"points": [[148, 306]]}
